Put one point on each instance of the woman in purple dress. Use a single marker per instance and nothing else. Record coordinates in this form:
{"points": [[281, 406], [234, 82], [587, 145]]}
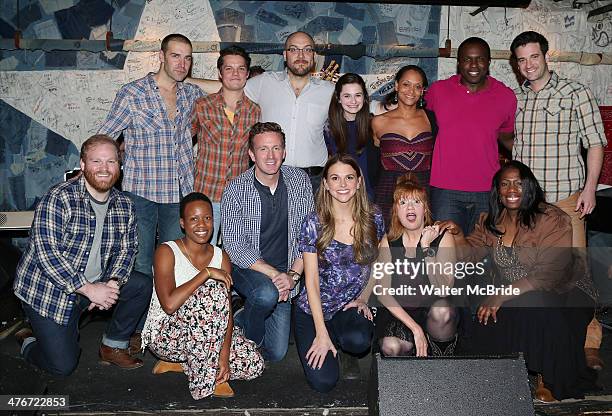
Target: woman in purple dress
{"points": [[339, 242]]}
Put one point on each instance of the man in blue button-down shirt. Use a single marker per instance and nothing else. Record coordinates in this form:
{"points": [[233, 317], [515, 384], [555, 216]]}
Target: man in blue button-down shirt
{"points": [[261, 214], [79, 257]]}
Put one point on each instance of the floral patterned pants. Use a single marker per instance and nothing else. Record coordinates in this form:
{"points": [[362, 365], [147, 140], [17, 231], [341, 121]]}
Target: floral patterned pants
{"points": [[194, 335]]}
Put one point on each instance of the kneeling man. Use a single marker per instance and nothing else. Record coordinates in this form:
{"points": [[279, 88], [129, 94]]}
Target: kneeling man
{"points": [[79, 257], [261, 214]]}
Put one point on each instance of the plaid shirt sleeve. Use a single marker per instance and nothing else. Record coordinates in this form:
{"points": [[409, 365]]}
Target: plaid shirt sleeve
{"points": [[195, 120], [47, 232], [236, 241], [589, 120], [119, 118], [301, 191], [305, 206], [121, 265]]}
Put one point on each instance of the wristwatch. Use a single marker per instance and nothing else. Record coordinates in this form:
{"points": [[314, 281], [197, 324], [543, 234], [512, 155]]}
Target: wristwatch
{"points": [[428, 251], [294, 275]]}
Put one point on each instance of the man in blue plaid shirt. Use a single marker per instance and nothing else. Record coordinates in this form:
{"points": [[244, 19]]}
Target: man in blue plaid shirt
{"points": [[79, 257], [154, 115]]}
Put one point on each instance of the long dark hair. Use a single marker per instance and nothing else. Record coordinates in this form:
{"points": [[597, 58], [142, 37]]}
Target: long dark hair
{"points": [[337, 124], [532, 201], [391, 98]]}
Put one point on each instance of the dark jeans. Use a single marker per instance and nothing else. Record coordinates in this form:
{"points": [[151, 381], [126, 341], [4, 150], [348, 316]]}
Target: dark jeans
{"points": [[461, 207], [264, 320], [153, 218], [348, 330], [56, 349], [600, 258]]}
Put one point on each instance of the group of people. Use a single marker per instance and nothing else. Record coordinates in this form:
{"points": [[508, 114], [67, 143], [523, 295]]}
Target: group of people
{"points": [[330, 191]]}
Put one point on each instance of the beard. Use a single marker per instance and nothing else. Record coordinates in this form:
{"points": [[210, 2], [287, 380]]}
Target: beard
{"points": [[300, 71], [101, 186]]}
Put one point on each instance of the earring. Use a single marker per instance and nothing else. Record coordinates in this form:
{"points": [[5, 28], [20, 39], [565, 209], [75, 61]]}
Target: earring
{"points": [[421, 102]]}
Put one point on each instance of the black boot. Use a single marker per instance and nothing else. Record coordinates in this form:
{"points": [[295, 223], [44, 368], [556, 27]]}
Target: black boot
{"points": [[349, 366]]}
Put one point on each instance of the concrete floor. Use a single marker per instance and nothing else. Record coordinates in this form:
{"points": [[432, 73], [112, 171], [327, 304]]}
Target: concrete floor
{"points": [[101, 390]]}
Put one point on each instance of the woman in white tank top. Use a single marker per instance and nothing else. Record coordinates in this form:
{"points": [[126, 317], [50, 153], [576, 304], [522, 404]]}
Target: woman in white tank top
{"points": [[190, 319]]}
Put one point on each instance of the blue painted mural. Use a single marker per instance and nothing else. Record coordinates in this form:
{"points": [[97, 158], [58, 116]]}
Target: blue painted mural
{"points": [[32, 157]]}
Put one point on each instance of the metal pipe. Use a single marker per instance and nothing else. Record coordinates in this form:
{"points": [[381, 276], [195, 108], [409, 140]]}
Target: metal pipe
{"points": [[380, 52]]}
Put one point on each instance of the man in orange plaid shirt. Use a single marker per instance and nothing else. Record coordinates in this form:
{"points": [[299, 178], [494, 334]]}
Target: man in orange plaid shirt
{"points": [[222, 121]]}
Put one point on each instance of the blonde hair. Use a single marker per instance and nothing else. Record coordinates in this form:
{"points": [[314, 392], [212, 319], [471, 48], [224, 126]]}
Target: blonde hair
{"points": [[407, 186], [365, 237]]}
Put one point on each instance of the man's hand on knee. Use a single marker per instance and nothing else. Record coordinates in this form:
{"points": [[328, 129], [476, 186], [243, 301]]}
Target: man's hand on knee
{"points": [[283, 296], [101, 295], [282, 281], [113, 283]]}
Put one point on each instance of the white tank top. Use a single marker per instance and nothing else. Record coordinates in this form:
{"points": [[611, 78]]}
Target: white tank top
{"points": [[183, 272]]}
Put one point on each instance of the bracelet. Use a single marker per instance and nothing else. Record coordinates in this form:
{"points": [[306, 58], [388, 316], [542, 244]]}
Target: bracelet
{"points": [[428, 251], [295, 276], [207, 271]]}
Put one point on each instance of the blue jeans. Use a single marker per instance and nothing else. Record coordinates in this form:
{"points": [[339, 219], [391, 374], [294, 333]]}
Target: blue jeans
{"points": [[216, 207], [348, 330], [56, 349], [264, 320], [153, 217], [461, 207]]}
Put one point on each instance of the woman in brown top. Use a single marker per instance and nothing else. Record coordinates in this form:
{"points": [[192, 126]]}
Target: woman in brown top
{"points": [[530, 243]]}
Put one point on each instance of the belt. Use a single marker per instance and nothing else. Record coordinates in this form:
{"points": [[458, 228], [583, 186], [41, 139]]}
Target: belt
{"points": [[313, 170]]}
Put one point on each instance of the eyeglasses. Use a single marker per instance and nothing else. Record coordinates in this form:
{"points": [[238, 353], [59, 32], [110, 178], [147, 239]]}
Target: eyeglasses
{"points": [[307, 50]]}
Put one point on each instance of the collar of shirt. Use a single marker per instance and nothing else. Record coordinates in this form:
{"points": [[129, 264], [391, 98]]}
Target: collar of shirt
{"points": [[550, 85], [220, 102], [284, 76], [260, 185], [153, 85], [463, 88]]}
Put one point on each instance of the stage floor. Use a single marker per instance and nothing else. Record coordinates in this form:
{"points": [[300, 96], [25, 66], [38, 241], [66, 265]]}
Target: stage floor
{"points": [[281, 390]]}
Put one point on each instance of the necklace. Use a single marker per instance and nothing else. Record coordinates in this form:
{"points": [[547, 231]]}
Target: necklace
{"points": [[187, 251], [508, 263]]}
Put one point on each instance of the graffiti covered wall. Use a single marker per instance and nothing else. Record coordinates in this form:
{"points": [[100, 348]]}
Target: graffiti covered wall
{"points": [[51, 101]]}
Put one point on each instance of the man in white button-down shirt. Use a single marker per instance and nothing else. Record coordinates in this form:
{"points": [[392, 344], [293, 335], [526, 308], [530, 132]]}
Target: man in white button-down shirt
{"points": [[296, 101]]}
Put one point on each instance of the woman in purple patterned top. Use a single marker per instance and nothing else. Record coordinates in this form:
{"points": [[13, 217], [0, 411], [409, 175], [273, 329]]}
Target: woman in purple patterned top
{"points": [[340, 242]]}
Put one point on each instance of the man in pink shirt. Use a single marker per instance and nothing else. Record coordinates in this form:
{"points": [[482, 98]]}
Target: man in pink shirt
{"points": [[474, 111]]}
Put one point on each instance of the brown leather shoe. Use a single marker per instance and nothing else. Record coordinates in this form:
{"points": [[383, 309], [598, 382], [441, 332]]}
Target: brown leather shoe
{"points": [[542, 394], [135, 344], [119, 357], [22, 334], [223, 391], [162, 367], [593, 360]]}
